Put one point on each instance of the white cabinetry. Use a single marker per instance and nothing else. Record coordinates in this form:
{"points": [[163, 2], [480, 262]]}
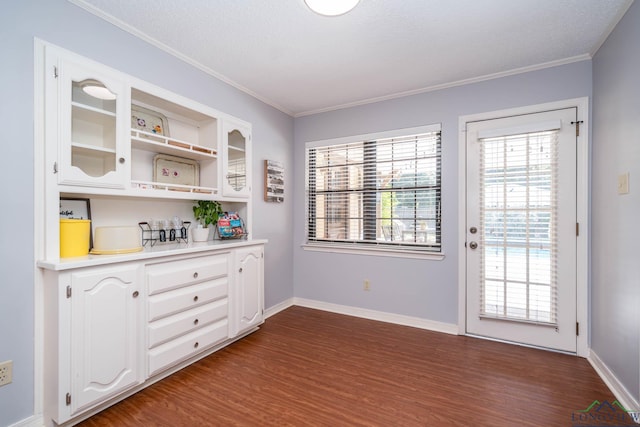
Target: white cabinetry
{"points": [[189, 133], [236, 152], [111, 144], [91, 149], [187, 309], [141, 142], [113, 324], [248, 288], [96, 349]]}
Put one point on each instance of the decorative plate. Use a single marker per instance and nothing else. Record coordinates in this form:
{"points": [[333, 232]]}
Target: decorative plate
{"points": [[149, 121], [175, 170]]}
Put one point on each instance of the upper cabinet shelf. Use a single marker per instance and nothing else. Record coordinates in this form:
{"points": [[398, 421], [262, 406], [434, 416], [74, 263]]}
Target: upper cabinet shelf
{"points": [[164, 124], [109, 137], [95, 110], [147, 141]]}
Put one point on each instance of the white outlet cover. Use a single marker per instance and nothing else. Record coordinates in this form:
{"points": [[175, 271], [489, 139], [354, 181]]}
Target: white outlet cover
{"points": [[6, 369], [623, 183]]}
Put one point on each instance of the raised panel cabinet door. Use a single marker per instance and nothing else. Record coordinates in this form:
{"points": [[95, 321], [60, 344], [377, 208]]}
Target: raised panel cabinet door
{"points": [[92, 111], [236, 152], [105, 325], [249, 287]]}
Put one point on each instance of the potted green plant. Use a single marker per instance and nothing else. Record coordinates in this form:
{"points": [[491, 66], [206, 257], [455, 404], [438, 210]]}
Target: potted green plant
{"points": [[206, 212]]}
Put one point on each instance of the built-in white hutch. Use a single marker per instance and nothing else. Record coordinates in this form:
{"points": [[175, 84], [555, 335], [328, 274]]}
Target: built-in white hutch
{"points": [[114, 324]]}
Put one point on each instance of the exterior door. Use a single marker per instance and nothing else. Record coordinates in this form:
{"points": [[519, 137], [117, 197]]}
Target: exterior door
{"points": [[521, 229]]}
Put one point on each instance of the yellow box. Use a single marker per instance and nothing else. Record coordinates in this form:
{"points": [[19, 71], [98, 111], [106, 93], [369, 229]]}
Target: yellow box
{"points": [[74, 237]]}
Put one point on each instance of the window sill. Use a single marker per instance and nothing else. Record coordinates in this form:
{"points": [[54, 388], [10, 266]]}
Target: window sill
{"points": [[396, 253]]}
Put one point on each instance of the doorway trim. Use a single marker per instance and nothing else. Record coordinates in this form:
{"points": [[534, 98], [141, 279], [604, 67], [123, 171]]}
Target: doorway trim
{"points": [[582, 210]]}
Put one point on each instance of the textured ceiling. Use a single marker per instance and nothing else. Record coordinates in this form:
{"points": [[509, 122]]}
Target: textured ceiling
{"points": [[301, 63]]}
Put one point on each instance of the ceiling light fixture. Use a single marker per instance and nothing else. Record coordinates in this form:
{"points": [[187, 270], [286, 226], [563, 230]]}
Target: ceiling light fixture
{"points": [[331, 7], [96, 89]]}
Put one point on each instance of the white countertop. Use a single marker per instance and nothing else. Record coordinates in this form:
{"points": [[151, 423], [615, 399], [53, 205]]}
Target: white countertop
{"points": [[157, 251]]}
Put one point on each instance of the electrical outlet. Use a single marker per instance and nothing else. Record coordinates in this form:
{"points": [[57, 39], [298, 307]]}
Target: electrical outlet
{"points": [[367, 285], [6, 372], [623, 183]]}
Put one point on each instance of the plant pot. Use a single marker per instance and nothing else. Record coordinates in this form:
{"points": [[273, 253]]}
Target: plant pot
{"points": [[200, 234]]}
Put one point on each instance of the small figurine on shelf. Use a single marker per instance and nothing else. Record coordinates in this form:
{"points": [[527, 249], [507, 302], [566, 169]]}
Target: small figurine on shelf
{"points": [[206, 212]]}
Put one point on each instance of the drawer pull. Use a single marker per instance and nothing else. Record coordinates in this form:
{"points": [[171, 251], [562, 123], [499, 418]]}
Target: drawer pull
{"points": [[196, 321], [196, 345], [195, 299], [135, 294], [195, 275]]}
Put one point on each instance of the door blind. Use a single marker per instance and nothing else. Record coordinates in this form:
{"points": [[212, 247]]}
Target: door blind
{"points": [[518, 214]]}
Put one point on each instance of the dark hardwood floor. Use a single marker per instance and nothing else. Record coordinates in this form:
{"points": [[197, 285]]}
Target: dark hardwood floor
{"points": [[309, 367]]}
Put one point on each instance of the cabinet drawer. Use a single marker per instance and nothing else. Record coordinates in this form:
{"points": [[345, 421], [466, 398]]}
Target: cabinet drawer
{"points": [[182, 299], [171, 327], [170, 353], [175, 274]]}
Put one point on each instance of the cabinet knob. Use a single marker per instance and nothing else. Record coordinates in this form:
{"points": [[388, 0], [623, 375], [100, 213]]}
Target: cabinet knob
{"points": [[121, 160], [196, 345], [196, 321], [135, 294], [195, 298], [240, 270], [195, 275]]}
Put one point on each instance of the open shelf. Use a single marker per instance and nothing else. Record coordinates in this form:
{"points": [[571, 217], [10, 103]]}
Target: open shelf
{"points": [[159, 186], [148, 141]]}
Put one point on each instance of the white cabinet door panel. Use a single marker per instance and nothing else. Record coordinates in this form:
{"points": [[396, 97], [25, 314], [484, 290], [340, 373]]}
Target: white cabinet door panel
{"points": [[105, 334]]}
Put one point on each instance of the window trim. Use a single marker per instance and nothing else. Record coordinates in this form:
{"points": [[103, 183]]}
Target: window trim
{"points": [[360, 248], [356, 249]]}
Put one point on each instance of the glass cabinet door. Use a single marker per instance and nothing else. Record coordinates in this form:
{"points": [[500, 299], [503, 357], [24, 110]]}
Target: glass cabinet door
{"points": [[92, 123], [236, 180]]}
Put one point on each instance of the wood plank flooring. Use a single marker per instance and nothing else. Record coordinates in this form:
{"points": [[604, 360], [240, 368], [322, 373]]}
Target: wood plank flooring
{"points": [[309, 367]]}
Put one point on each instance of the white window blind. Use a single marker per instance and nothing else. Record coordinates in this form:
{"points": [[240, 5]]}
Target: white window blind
{"points": [[519, 176], [376, 192]]}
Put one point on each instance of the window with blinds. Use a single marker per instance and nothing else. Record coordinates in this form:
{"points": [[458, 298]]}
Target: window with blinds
{"points": [[518, 213], [378, 192]]}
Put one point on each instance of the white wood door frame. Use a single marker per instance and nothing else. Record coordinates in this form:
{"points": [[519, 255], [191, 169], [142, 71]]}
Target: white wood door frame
{"points": [[582, 209]]}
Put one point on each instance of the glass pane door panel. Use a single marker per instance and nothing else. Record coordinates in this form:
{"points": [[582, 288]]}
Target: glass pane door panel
{"points": [[93, 128]]}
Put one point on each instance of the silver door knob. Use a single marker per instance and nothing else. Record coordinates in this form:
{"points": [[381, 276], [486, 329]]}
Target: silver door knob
{"points": [[473, 245]]}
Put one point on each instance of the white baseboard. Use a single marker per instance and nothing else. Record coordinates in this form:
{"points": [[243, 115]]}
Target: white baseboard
{"points": [[274, 309], [617, 388], [33, 421], [399, 319]]}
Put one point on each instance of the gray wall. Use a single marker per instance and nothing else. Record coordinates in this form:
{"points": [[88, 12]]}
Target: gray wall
{"points": [[615, 280], [421, 288], [70, 27]]}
